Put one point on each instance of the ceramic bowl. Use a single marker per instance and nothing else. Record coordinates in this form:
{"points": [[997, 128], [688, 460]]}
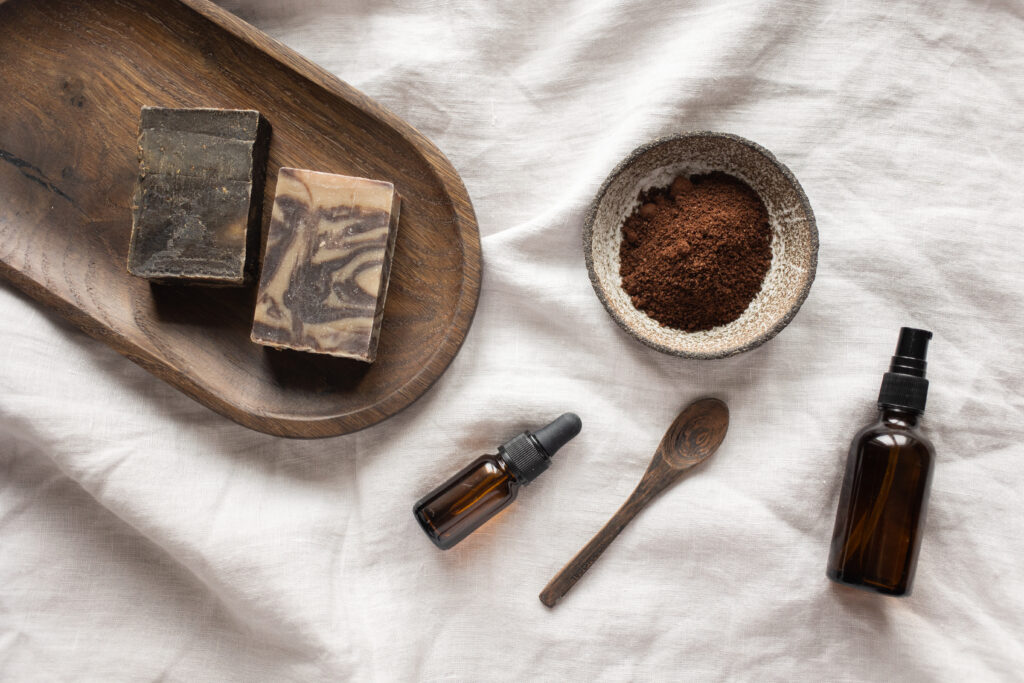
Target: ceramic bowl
{"points": [[794, 239]]}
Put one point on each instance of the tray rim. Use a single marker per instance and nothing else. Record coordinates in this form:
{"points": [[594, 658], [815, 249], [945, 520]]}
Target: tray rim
{"points": [[293, 426]]}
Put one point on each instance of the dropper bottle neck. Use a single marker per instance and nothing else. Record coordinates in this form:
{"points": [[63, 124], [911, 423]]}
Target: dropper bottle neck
{"points": [[529, 453]]}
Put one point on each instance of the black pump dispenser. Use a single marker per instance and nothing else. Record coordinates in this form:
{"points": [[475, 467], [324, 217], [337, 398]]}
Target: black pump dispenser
{"points": [[904, 386], [883, 501], [529, 454]]}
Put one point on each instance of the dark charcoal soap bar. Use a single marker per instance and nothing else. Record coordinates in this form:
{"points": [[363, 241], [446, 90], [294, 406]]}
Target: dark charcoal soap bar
{"points": [[197, 203]]}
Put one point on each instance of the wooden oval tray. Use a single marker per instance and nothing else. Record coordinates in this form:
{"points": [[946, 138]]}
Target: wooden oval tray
{"points": [[74, 76]]}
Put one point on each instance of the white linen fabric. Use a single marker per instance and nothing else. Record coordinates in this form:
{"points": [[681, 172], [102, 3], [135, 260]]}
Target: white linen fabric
{"points": [[144, 537]]}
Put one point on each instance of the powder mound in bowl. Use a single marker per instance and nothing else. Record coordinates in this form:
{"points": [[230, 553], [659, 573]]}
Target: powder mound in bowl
{"points": [[693, 255]]}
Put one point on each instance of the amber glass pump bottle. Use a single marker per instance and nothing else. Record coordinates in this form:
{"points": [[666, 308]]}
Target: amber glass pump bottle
{"points": [[490, 483], [884, 497]]}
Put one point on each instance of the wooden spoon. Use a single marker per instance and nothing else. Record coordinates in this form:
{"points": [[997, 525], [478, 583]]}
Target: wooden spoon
{"points": [[694, 436]]}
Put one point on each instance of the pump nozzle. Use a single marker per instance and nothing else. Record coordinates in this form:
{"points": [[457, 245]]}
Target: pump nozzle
{"points": [[913, 343], [911, 351], [904, 386]]}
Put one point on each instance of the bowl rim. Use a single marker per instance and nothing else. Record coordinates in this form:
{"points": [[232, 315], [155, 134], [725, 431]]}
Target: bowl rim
{"points": [[588, 234]]}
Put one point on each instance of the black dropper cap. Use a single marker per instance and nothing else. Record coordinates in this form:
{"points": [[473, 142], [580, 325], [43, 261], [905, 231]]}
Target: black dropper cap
{"points": [[529, 454], [904, 386]]}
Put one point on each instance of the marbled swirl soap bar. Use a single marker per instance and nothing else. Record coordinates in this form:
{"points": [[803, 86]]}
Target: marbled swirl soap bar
{"points": [[199, 195], [327, 264]]}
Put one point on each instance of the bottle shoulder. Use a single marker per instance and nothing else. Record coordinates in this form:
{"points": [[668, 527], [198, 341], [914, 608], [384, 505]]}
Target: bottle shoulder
{"points": [[884, 434], [486, 465], [496, 467]]}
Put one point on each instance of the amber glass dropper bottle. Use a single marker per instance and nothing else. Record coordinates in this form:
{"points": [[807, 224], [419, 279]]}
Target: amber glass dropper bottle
{"points": [[884, 498], [490, 483]]}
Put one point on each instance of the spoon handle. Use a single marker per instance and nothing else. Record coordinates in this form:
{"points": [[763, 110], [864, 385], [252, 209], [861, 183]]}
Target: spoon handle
{"points": [[585, 558]]}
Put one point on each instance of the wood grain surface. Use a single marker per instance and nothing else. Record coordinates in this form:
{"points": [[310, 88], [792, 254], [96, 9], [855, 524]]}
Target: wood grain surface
{"points": [[74, 76]]}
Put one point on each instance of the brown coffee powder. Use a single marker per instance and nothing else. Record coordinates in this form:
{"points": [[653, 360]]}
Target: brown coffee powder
{"points": [[693, 255]]}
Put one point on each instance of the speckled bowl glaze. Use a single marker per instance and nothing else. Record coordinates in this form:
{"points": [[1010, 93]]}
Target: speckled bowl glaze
{"points": [[794, 239]]}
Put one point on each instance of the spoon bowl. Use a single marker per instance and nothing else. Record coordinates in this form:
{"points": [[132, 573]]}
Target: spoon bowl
{"points": [[695, 434], [693, 437]]}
